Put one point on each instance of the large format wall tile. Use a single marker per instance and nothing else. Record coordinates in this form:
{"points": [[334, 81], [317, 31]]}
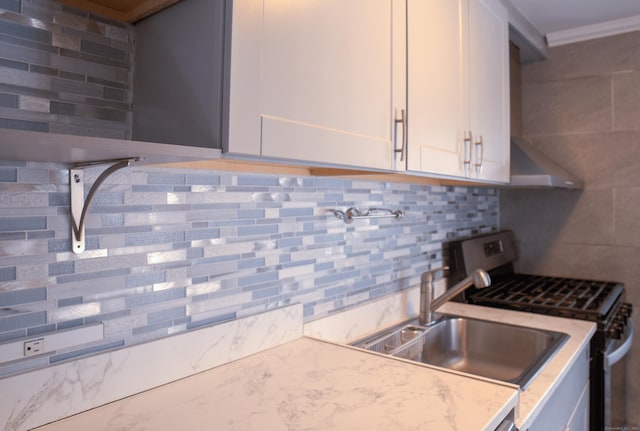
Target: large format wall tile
{"points": [[626, 101], [596, 57], [582, 108], [627, 203], [602, 160], [551, 109]]}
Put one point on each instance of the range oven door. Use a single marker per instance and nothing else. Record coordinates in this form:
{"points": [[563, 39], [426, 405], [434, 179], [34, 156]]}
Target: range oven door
{"points": [[616, 350]]}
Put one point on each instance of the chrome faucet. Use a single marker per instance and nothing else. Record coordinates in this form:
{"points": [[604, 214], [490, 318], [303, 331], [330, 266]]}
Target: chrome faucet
{"points": [[428, 305]]}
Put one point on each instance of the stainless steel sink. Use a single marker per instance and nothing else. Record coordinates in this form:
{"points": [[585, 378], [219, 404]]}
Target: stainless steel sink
{"points": [[498, 351]]}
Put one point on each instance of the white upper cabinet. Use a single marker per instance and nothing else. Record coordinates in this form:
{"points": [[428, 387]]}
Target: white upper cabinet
{"points": [[489, 90], [346, 83], [458, 89], [316, 81], [435, 76]]}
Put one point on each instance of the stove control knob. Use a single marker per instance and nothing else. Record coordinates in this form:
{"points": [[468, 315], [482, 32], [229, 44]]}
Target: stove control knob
{"points": [[615, 331]]}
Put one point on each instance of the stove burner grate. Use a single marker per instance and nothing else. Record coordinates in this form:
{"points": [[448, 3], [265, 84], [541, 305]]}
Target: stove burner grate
{"points": [[565, 297]]}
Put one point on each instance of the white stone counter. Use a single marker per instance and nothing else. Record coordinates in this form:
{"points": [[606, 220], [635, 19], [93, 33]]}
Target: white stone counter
{"points": [[359, 322], [307, 385], [260, 373]]}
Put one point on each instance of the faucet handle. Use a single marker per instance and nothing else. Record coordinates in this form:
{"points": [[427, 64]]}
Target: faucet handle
{"points": [[428, 275]]}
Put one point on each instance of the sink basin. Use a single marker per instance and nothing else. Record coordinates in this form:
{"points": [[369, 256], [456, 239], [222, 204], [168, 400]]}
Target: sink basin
{"points": [[495, 350]]}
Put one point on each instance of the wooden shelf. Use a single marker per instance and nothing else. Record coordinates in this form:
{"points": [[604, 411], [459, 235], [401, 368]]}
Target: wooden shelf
{"points": [[121, 10]]}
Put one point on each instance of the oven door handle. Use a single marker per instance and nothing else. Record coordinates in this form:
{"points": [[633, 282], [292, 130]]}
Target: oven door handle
{"points": [[613, 357]]}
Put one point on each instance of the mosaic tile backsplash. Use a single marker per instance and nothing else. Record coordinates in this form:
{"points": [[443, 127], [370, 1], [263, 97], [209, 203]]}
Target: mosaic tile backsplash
{"points": [[64, 70], [172, 250]]}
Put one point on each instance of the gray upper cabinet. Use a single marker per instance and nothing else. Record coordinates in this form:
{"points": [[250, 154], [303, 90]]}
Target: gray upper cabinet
{"points": [[179, 75], [67, 91]]}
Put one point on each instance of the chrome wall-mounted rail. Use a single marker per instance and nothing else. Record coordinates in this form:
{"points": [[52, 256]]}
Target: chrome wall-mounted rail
{"points": [[352, 214], [80, 206]]}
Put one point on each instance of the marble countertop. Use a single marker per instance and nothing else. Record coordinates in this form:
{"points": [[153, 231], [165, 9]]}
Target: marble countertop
{"points": [[359, 322], [543, 385], [308, 384], [260, 372]]}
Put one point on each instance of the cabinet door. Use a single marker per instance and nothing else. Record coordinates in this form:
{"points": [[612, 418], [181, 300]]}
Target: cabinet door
{"points": [[326, 81], [579, 420], [437, 114], [489, 89]]}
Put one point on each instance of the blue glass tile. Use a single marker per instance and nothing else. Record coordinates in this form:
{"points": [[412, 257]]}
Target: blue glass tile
{"points": [[8, 175], [165, 178], [8, 224], [195, 253], [121, 209], [107, 316], [260, 278], [92, 275], [10, 5], [25, 32], [150, 328], [257, 230], [265, 292], [20, 65], [326, 279], [144, 279], [59, 199], [8, 274], [289, 242], [331, 183], [203, 179], [251, 263], [296, 212], [198, 280], [22, 321], [152, 188], [70, 324], [249, 180], [155, 297], [164, 315], [61, 268], [41, 329], [12, 335], [65, 302], [251, 213], [153, 238], [86, 351], [197, 234], [323, 266], [23, 296], [212, 321]]}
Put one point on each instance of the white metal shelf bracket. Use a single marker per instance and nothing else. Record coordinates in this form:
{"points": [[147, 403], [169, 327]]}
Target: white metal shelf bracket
{"points": [[80, 206]]}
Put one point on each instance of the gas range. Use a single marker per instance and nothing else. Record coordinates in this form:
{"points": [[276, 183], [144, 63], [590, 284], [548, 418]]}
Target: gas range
{"points": [[597, 301], [601, 302]]}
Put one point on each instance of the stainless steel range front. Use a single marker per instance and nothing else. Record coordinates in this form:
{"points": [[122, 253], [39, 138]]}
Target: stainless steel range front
{"points": [[598, 301]]}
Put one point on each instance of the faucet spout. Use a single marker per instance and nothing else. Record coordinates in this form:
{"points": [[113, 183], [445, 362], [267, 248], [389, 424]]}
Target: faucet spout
{"points": [[428, 305]]}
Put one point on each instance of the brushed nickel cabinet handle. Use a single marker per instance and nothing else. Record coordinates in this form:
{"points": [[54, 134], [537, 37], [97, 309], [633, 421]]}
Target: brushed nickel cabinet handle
{"points": [[466, 156], [402, 120], [479, 150]]}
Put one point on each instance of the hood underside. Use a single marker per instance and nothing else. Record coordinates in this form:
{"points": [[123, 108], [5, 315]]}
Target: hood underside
{"points": [[530, 168]]}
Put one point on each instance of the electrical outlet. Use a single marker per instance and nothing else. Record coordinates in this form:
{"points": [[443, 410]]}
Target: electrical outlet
{"points": [[34, 347]]}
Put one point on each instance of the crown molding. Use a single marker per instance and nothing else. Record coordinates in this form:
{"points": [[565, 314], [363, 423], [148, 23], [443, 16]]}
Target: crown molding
{"points": [[594, 31]]}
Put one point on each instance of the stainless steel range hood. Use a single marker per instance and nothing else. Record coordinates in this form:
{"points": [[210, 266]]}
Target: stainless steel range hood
{"points": [[530, 168]]}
